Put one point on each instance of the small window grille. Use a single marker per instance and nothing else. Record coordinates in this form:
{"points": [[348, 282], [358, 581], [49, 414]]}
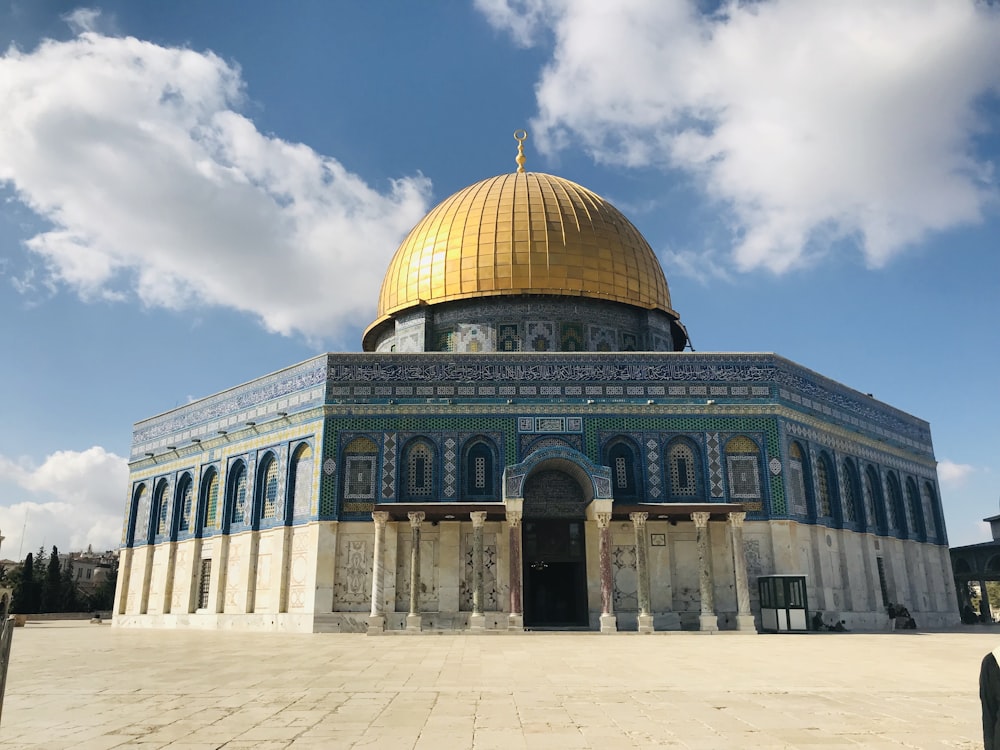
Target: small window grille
{"points": [[164, 508], [850, 496], [870, 495], [744, 479], [212, 502], [823, 479], [621, 472], [270, 509], [303, 482], [681, 477], [928, 497], [240, 496], [480, 472], [419, 480], [893, 503], [360, 478], [186, 498], [204, 583], [883, 584]]}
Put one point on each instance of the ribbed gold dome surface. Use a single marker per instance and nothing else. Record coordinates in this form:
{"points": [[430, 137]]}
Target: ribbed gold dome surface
{"points": [[523, 233]]}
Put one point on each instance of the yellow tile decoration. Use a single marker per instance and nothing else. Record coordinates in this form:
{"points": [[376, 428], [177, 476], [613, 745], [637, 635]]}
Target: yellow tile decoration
{"points": [[523, 233]]}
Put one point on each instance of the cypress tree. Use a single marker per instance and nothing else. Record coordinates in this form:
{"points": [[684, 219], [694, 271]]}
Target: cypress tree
{"points": [[69, 600], [50, 586], [26, 588]]}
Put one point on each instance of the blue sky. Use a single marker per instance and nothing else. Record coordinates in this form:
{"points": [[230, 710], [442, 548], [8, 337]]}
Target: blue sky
{"points": [[195, 194]]}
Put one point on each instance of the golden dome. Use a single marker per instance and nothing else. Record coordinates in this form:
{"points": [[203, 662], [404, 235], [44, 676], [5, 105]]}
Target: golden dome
{"points": [[523, 233]]}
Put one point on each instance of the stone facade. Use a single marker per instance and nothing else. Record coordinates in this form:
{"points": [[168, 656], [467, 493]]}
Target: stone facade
{"points": [[254, 508]]}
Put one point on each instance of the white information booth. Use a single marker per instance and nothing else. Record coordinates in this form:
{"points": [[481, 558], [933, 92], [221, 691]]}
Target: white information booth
{"points": [[783, 604]]}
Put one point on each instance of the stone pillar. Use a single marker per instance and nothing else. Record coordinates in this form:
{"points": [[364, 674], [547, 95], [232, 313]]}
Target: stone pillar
{"points": [[707, 620], [477, 621], [609, 623], [744, 617], [413, 618], [984, 603], [376, 620], [642, 571], [515, 621]]}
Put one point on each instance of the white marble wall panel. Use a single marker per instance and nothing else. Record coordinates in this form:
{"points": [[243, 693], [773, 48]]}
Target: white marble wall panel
{"points": [[301, 567], [491, 599], [352, 589], [322, 572], [449, 556], [429, 557], [264, 589], [186, 559]]}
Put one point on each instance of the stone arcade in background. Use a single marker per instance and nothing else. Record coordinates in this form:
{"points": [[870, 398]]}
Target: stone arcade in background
{"points": [[526, 444]]}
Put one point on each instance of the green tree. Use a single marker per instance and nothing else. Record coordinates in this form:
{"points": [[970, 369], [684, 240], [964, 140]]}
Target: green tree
{"points": [[69, 598], [50, 585], [25, 586]]}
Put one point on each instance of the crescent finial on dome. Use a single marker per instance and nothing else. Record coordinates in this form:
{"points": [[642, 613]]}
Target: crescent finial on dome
{"points": [[520, 136]]}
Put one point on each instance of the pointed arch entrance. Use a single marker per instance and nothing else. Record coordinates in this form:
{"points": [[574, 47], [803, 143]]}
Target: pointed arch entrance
{"points": [[555, 553], [555, 485]]}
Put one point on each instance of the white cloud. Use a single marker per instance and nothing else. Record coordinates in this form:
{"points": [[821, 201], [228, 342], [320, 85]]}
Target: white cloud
{"points": [[953, 474], [72, 499], [811, 121], [156, 186]]}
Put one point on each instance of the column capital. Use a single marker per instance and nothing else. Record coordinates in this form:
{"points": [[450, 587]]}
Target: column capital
{"points": [[639, 519], [478, 518], [416, 518], [603, 520], [736, 519], [380, 517], [514, 518], [701, 519]]}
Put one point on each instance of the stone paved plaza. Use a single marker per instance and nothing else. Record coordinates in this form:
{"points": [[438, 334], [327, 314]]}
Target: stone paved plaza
{"points": [[91, 687]]}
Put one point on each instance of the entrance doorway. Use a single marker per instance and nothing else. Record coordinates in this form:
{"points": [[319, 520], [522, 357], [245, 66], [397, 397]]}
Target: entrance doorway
{"points": [[555, 574]]}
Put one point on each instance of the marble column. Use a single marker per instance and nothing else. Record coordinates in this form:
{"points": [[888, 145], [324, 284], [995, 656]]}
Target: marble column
{"points": [[376, 620], [515, 620], [609, 623], [413, 618], [744, 617], [707, 620], [642, 571], [477, 620]]}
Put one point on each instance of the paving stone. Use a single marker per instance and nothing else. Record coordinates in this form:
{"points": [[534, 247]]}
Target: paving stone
{"points": [[102, 688]]}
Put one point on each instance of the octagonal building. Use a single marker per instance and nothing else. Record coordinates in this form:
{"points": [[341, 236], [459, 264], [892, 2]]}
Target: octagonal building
{"points": [[525, 442]]}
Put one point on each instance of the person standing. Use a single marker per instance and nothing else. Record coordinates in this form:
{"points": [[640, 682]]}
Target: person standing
{"points": [[989, 696]]}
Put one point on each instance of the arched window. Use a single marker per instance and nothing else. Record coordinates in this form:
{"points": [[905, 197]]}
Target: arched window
{"points": [[873, 500], [359, 469], [185, 497], [894, 504], [824, 485], [796, 480], [742, 459], [209, 500], [302, 481], [140, 516], [683, 468], [853, 510], [930, 510], [914, 516], [620, 456], [418, 467], [237, 494], [268, 487], [480, 469], [162, 504]]}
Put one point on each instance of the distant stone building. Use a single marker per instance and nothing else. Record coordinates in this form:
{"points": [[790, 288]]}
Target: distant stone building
{"points": [[525, 443]]}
